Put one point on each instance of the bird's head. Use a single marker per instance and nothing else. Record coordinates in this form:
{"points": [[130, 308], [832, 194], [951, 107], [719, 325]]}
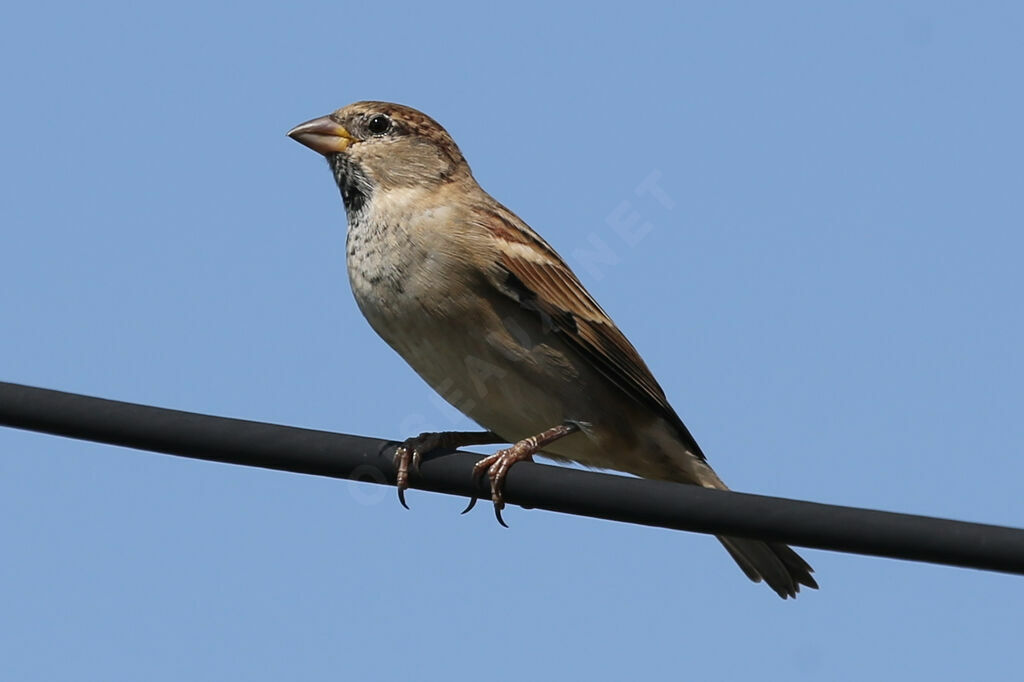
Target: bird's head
{"points": [[379, 146]]}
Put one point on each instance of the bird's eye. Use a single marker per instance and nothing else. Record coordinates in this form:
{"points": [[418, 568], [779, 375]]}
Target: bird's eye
{"points": [[379, 124]]}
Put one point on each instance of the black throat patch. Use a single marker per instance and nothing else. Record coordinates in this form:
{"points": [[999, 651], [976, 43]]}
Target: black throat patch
{"points": [[352, 181]]}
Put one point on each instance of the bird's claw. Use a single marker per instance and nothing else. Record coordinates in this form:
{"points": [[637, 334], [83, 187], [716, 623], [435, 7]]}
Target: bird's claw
{"points": [[408, 456], [403, 458], [496, 467]]}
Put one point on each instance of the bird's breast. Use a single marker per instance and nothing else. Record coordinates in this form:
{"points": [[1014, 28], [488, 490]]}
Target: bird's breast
{"points": [[399, 272], [426, 302]]}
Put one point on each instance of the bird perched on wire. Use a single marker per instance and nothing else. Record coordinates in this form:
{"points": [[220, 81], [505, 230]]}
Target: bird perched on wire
{"points": [[492, 318]]}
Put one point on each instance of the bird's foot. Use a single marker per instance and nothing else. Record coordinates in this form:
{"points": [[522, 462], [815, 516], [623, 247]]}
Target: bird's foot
{"points": [[497, 466], [409, 454]]}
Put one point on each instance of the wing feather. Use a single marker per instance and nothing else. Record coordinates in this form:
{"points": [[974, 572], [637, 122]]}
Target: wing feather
{"points": [[536, 276]]}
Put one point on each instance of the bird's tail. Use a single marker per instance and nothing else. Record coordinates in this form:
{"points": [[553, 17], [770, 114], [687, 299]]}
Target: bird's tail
{"points": [[779, 566]]}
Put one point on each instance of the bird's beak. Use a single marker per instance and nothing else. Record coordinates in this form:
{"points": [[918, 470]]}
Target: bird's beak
{"points": [[322, 135]]}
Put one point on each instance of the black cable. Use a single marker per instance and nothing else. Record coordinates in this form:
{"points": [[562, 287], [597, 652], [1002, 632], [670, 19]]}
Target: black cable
{"points": [[616, 498]]}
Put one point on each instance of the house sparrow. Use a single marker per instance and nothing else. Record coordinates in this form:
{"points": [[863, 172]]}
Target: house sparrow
{"points": [[493, 319]]}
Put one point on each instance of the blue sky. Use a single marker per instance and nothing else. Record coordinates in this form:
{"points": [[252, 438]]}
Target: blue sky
{"points": [[830, 297]]}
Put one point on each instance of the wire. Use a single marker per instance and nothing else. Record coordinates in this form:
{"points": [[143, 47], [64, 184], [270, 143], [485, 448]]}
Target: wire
{"points": [[571, 491]]}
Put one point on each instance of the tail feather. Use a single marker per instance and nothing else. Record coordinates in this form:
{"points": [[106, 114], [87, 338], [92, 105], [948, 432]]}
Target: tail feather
{"points": [[773, 562], [778, 565]]}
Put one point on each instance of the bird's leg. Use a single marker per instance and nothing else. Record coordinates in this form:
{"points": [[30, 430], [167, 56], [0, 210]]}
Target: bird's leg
{"points": [[496, 466], [412, 450]]}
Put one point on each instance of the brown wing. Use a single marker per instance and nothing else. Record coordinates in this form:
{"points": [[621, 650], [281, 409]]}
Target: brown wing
{"points": [[536, 276]]}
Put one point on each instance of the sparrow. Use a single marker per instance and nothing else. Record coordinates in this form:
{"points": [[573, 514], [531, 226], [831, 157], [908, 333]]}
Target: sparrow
{"points": [[492, 318]]}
